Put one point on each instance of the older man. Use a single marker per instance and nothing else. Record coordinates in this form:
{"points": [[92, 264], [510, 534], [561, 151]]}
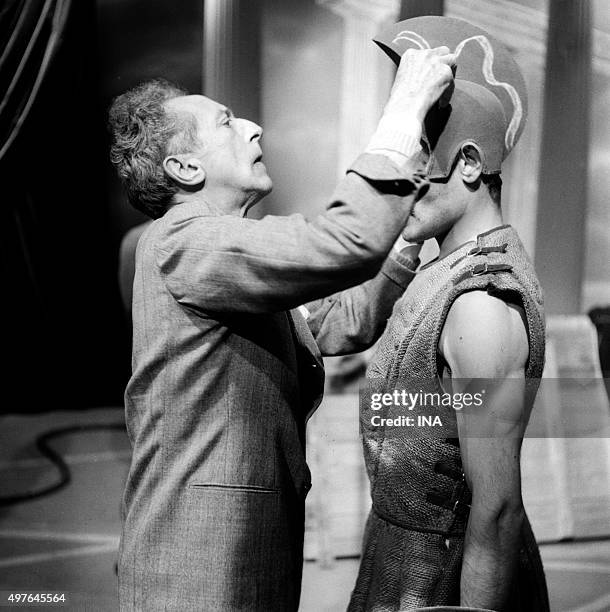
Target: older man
{"points": [[225, 371]]}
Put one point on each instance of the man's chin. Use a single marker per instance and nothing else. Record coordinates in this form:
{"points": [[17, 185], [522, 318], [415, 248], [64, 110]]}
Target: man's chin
{"points": [[412, 232], [262, 186]]}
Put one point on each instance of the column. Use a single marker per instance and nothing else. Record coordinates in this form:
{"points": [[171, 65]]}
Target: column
{"points": [[418, 8], [367, 73], [520, 170], [562, 203], [231, 55]]}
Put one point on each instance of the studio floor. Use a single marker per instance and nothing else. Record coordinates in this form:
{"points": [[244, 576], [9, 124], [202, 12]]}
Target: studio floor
{"points": [[67, 541]]}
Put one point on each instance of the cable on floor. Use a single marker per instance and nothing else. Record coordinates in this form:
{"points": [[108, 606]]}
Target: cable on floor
{"points": [[65, 476]]}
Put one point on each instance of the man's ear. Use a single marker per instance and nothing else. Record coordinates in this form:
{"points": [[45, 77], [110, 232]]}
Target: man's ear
{"points": [[185, 170], [470, 165]]}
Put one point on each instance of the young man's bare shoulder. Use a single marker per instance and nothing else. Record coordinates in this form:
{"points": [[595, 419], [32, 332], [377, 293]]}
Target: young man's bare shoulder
{"points": [[484, 337]]}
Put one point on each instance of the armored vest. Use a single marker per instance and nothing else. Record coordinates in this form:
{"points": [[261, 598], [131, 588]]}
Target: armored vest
{"points": [[418, 483]]}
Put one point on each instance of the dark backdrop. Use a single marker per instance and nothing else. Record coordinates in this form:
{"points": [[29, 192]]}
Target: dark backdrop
{"points": [[139, 40], [62, 212], [63, 325]]}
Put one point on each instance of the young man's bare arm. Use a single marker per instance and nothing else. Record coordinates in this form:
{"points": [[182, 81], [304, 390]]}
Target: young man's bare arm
{"points": [[486, 338]]}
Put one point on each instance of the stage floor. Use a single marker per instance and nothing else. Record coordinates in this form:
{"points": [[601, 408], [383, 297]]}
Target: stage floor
{"points": [[67, 541]]}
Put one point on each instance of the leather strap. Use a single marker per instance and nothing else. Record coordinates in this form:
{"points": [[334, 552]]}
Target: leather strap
{"points": [[481, 269]]}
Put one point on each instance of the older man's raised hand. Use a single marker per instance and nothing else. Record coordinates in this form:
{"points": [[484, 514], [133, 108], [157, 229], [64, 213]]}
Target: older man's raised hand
{"points": [[423, 77]]}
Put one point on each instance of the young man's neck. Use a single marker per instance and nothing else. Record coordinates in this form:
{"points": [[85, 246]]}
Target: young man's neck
{"points": [[482, 216]]}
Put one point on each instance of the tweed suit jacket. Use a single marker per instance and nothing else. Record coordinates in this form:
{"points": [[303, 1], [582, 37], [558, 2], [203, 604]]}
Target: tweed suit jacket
{"points": [[225, 374]]}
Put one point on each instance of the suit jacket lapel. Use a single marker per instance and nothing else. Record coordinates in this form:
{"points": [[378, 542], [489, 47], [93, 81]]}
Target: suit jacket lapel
{"points": [[304, 337], [311, 366]]}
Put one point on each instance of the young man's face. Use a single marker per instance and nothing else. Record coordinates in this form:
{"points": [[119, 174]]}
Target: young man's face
{"points": [[230, 150], [435, 213]]}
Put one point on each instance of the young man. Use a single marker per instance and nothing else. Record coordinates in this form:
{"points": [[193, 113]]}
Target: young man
{"points": [[225, 369], [447, 525]]}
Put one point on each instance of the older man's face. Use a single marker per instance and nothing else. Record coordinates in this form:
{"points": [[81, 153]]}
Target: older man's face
{"points": [[231, 154]]}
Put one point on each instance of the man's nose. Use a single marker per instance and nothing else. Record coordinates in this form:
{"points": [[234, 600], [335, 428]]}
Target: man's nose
{"points": [[250, 130]]}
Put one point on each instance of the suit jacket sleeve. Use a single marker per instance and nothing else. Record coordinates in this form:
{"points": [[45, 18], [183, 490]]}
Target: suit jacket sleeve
{"points": [[232, 264], [353, 320]]}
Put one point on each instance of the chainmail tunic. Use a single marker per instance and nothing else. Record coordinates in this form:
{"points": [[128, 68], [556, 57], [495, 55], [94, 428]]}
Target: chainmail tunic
{"points": [[413, 547]]}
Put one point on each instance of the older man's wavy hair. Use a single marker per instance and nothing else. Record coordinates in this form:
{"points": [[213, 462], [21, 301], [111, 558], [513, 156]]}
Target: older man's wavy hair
{"points": [[143, 134]]}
